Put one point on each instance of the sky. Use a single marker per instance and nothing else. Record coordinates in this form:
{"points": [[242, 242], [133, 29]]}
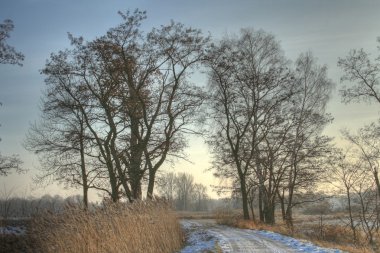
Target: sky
{"points": [[327, 28]]}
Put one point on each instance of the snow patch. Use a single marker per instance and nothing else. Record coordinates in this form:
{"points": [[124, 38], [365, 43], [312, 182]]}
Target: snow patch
{"points": [[197, 238], [13, 230], [201, 238], [299, 245]]}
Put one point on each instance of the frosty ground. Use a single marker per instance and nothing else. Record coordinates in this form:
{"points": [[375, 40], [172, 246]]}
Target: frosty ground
{"points": [[206, 236]]}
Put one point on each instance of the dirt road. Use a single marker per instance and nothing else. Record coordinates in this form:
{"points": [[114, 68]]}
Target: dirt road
{"points": [[206, 236]]}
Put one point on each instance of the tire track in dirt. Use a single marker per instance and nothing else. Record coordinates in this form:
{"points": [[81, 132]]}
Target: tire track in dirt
{"points": [[240, 241], [234, 240]]}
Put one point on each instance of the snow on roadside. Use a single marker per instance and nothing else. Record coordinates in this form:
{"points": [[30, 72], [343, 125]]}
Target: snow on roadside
{"points": [[198, 239], [299, 245], [13, 230], [203, 239]]}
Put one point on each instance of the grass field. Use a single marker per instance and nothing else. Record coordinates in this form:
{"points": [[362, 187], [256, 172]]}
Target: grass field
{"points": [[142, 227]]}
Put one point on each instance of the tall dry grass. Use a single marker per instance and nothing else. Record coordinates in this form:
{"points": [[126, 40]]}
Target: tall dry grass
{"points": [[146, 227]]}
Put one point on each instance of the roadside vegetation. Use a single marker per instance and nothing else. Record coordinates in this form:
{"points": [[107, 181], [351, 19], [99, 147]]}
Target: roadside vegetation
{"points": [[329, 230], [149, 226]]}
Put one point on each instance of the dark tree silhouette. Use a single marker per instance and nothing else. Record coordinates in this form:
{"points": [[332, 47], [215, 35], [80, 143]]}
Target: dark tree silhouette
{"points": [[133, 91], [364, 75], [8, 55]]}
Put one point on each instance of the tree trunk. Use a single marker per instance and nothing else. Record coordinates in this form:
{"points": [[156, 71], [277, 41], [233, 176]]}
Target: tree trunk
{"points": [[261, 208], [136, 159], [244, 197], [152, 176], [375, 173], [281, 197], [270, 210], [269, 213], [250, 202], [83, 168], [352, 225]]}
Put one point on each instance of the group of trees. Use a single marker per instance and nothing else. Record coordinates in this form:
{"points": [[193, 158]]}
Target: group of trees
{"points": [[22, 207], [182, 192], [117, 107], [355, 169], [267, 119]]}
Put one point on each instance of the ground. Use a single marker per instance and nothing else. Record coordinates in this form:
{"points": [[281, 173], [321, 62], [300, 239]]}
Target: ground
{"points": [[206, 236]]}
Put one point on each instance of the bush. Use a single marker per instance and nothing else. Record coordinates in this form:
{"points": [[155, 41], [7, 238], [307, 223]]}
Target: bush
{"points": [[226, 216]]}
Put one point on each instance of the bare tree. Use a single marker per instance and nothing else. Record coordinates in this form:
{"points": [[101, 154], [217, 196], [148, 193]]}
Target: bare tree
{"points": [[344, 175], [8, 55], [359, 68], [181, 190], [132, 92], [358, 173], [366, 144], [200, 197], [248, 82], [369, 208], [185, 188], [9, 163], [167, 186], [305, 142], [64, 150]]}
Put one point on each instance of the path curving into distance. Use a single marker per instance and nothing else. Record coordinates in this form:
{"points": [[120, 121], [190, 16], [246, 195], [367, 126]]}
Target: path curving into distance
{"points": [[204, 235]]}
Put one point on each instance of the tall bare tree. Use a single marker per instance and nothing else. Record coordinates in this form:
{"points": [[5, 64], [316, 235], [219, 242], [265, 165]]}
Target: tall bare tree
{"points": [[132, 91], [64, 150], [249, 81], [366, 143], [305, 142], [344, 174]]}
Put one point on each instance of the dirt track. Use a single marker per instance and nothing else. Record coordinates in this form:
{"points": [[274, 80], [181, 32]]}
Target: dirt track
{"points": [[239, 240]]}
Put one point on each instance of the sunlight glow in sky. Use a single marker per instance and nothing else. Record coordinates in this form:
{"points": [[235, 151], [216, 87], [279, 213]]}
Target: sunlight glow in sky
{"points": [[328, 28]]}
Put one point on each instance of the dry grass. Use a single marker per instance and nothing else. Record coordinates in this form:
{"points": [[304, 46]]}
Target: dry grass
{"points": [[330, 236], [195, 215], [148, 227]]}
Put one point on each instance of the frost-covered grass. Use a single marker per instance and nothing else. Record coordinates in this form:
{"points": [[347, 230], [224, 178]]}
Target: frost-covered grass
{"points": [[298, 245]]}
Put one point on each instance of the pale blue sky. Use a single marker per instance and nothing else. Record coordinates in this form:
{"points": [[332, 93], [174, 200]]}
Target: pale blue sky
{"points": [[329, 28]]}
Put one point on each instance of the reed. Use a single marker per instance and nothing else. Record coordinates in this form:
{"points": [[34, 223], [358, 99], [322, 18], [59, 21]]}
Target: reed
{"points": [[149, 227]]}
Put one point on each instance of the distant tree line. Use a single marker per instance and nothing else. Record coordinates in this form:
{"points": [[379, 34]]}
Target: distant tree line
{"points": [[22, 207], [183, 193]]}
